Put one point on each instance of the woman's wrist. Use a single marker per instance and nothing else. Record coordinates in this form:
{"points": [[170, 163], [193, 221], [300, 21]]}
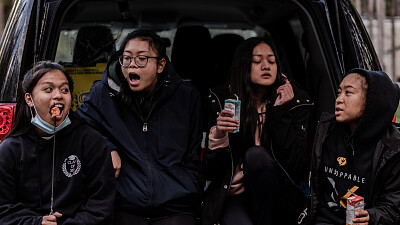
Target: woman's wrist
{"points": [[214, 142], [219, 134]]}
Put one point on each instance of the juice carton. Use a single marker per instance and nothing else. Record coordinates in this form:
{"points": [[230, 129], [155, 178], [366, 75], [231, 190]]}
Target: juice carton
{"points": [[355, 204], [233, 105]]}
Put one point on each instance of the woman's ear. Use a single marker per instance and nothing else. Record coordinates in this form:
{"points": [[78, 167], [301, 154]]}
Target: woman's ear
{"points": [[161, 65], [28, 99]]}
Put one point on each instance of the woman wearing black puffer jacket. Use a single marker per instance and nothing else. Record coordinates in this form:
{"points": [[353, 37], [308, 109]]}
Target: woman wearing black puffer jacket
{"points": [[150, 119]]}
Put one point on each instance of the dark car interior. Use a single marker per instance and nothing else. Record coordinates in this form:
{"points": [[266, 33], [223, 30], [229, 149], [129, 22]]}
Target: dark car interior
{"points": [[94, 44], [317, 40], [203, 37]]}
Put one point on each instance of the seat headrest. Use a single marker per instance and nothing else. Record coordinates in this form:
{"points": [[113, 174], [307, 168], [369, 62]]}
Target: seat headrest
{"points": [[223, 47], [93, 44], [190, 45]]}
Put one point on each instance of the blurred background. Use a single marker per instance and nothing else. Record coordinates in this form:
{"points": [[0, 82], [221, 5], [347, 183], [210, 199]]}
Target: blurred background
{"points": [[381, 18], [5, 8]]}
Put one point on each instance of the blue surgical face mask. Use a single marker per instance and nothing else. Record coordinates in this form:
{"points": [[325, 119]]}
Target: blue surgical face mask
{"points": [[44, 126]]}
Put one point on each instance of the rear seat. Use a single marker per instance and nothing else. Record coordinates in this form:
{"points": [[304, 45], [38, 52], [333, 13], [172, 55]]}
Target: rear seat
{"points": [[93, 47], [190, 55], [223, 47], [94, 44]]}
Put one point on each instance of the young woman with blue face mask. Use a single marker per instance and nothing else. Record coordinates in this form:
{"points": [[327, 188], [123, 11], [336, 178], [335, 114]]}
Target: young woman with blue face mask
{"points": [[53, 89], [54, 169]]}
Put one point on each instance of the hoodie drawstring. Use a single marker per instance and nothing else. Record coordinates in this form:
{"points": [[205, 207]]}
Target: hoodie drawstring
{"points": [[37, 152]]}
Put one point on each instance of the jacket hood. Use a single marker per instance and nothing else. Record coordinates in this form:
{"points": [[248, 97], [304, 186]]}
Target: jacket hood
{"points": [[380, 107]]}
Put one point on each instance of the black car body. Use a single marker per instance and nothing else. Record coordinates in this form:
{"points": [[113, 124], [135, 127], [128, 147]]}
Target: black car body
{"points": [[317, 40]]}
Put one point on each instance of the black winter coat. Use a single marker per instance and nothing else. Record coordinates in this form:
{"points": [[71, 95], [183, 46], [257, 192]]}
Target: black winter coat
{"points": [[289, 124], [84, 187], [160, 174]]}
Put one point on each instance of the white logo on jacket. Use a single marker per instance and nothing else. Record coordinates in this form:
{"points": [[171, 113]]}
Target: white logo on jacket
{"points": [[71, 166]]}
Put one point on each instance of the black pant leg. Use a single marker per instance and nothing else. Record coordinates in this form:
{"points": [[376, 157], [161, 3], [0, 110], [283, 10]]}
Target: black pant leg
{"points": [[235, 211], [123, 218], [262, 181], [176, 220]]}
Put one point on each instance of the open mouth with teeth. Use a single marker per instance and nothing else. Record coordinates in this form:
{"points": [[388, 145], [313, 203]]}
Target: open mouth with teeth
{"points": [[134, 79]]}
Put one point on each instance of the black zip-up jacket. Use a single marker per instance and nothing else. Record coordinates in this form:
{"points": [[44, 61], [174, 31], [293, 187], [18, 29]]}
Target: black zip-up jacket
{"points": [[84, 187], [373, 129], [160, 174], [288, 124]]}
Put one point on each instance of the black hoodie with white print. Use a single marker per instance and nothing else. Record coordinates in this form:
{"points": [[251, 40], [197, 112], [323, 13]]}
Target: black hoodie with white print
{"points": [[84, 184]]}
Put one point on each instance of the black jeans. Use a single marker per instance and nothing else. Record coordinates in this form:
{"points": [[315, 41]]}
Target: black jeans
{"points": [[123, 218], [262, 181], [236, 211]]}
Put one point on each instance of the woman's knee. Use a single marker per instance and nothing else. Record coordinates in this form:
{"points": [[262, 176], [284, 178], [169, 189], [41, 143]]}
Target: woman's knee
{"points": [[258, 159]]}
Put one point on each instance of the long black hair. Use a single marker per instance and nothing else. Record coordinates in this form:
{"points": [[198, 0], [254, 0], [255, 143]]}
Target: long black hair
{"points": [[241, 85], [23, 116], [156, 43]]}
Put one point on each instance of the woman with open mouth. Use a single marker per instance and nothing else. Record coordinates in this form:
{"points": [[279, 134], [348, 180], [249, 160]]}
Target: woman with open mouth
{"points": [[150, 118], [55, 169]]}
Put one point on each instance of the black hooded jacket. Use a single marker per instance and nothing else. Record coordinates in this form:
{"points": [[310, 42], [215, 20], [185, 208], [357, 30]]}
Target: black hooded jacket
{"points": [[160, 153], [376, 141], [84, 187]]}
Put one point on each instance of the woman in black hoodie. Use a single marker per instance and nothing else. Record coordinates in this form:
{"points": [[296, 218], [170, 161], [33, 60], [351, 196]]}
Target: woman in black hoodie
{"points": [[54, 168], [357, 150]]}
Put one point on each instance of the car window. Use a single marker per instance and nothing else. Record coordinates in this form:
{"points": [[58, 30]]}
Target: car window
{"points": [[83, 53], [306, 34], [67, 39], [292, 30]]}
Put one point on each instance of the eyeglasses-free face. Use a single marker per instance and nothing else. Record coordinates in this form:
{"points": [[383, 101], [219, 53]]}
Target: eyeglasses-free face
{"points": [[351, 99], [140, 60]]}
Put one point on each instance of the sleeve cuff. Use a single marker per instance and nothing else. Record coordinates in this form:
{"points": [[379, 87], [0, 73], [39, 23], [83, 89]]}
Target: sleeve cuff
{"points": [[214, 143]]}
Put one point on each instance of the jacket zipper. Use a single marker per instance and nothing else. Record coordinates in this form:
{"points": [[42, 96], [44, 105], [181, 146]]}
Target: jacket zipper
{"points": [[272, 150], [150, 180], [287, 174], [216, 96], [230, 154], [315, 170], [145, 128], [145, 121], [312, 203], [229, 147]]}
